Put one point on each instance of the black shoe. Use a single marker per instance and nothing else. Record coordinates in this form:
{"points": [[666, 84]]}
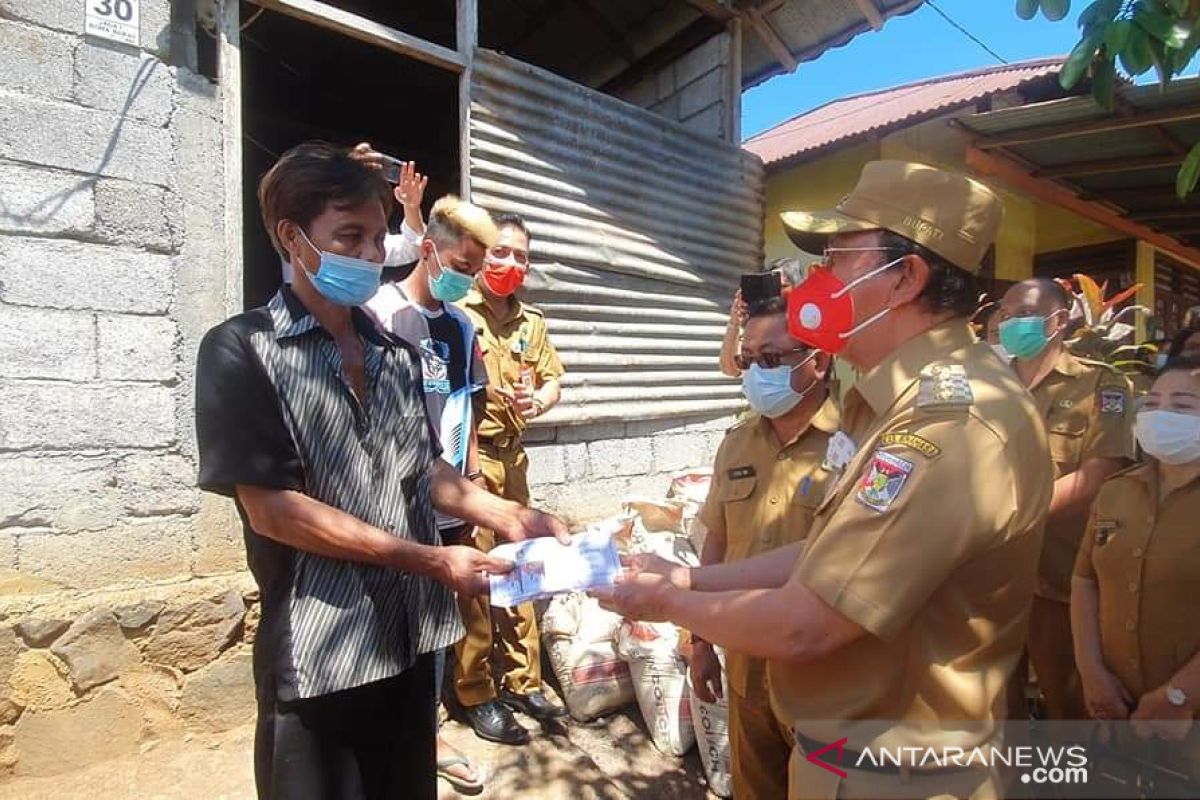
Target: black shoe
{"points": [[494, 722], [533, 704]]}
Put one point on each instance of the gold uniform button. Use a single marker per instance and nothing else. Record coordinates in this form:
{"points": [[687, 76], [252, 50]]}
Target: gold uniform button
{"points": [[1137, 552], [1131, 625], [774, 500], [1133, 587]]}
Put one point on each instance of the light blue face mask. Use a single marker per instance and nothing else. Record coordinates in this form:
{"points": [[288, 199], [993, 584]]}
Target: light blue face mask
{"points": [[343, 280], [449, 286]]}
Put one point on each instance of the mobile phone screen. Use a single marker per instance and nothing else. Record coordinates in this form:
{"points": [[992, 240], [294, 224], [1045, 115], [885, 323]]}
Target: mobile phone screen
{"points": [[391, 169]]}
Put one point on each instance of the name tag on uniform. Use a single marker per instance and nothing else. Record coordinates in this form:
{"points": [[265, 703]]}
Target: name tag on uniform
{"points": [[840, 451], [740, 472]]}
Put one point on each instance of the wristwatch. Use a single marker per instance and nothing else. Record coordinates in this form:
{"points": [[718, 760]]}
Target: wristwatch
{"points": [[1176, 697], [539, 407]]}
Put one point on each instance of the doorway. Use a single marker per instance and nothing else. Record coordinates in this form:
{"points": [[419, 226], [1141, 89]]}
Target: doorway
{"points": [[301, 81]]}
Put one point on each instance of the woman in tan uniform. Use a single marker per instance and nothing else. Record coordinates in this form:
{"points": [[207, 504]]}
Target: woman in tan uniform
{"points": [[1137, 575]]}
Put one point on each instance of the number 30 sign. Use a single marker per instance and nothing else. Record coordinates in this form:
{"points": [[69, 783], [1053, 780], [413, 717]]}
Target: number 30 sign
{"points": [[115, 20]]}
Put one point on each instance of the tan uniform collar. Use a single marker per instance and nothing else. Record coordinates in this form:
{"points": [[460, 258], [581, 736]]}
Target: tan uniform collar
{"points": [[827, 419], [882, 385], [1068, 364], [477, 301]]}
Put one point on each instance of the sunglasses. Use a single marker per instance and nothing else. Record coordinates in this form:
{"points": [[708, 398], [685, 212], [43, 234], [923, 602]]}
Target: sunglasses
{"points": [[771, 360], [500, 253]]}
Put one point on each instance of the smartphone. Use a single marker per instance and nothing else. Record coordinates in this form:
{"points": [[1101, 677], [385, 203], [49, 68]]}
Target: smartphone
{"points": [[760, 286], [392, 168]]}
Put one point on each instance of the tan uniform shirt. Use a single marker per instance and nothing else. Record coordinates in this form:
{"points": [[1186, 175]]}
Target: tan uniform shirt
{"points": [[1088, 409], [929, 541], [763, 496], [1145, 559], [516, 342]]}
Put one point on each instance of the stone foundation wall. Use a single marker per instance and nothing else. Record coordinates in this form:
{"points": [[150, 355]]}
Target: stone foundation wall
{"points": [[87, 679]]}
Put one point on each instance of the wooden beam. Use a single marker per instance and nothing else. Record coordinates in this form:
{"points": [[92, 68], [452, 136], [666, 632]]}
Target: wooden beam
{"points": [[1045, 133], [771, 38], [1166, 214], [871, 13], [713, 9], [365, 30], [1104, 166], [993, 165], [466, 38]]}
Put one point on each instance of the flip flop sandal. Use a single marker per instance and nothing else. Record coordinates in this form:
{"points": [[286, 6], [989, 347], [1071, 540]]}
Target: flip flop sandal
{"points": [[461, 785]]}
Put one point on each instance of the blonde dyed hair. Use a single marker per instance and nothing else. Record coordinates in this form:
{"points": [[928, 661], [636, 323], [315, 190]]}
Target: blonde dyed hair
{"points": [[451, 218]]}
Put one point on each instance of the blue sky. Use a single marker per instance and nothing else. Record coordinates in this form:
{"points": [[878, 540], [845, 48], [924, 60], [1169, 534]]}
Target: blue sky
{"points": [[918, 45]]}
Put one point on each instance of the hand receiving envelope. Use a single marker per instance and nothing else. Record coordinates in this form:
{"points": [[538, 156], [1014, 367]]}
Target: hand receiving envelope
{"points": [[543, 567]]}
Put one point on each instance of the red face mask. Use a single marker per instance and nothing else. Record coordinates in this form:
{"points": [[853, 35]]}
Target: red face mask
{"points": [[821, 311], [503, 281]]}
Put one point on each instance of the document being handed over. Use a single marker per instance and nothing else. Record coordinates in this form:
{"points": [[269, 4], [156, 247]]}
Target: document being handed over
{"points": [[543, 567]]}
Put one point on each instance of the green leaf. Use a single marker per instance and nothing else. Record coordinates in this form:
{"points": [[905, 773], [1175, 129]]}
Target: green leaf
{"points": [[1162, 27], [1116, 35], [1079, 60], [1054, 10], [1104, 75], [1027, 9], [1101, 11], [1189, 173], [1136, 56]]}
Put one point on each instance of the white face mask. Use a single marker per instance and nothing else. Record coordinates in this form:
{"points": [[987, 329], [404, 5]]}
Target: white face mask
{"points": [[1170, 436], [770, 392]]}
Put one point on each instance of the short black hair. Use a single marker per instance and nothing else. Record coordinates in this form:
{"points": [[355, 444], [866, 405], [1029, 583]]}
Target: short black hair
{"points": [[1179, 364], [1180, 341], [949, 288], [766, 308], [510, 220], [311, 176]]}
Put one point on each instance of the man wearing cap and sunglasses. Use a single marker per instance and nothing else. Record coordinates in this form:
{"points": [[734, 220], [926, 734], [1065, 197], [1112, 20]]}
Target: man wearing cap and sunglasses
{"points": [[768, 479], [898, 621]]}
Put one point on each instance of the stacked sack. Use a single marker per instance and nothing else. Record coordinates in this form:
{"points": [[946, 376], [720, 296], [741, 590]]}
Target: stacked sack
{"points": [[711, 721], [659, 682], [580, 640]]}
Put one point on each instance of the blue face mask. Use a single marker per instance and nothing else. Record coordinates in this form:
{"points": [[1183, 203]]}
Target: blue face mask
{"points": [[449, 286], [1024, 337], [343, 280]]}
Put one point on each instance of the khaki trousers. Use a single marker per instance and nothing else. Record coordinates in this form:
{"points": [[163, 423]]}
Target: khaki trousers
{"points": [[500, 641]]}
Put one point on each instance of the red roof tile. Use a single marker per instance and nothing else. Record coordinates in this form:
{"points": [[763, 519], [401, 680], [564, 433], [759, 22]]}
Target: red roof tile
{"points": [[849, 117]]}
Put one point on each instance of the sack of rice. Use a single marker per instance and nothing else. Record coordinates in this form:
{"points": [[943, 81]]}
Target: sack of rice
{"points": [[580, 640]]}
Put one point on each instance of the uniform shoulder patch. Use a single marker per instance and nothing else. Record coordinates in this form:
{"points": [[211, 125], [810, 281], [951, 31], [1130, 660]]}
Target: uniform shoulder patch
{"points": [[944, 385], [912, 441], [1112, 401], [883, 481]]}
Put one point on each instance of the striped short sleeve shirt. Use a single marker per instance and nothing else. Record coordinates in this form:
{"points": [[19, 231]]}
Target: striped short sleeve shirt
{"points": [[273, 410]]}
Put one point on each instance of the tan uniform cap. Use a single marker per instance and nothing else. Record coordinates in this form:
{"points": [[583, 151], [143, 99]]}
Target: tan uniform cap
{"points": [[952, 215]]}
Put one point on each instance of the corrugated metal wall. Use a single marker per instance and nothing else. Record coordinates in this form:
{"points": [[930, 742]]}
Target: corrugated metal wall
{"points": [[640, 231]]}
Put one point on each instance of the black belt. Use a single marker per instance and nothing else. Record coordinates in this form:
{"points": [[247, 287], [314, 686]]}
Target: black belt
{"points": [[504, 441], [852, 759]]}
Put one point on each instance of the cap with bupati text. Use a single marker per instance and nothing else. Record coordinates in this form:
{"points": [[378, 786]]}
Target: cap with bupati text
{"points": [[954, 216]]}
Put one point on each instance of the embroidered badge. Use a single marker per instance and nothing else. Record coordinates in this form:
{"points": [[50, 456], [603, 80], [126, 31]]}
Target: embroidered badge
{"points": [[1112, 402], [1105, 528], [944, 385], [882, 484], [740, 472], [805, 486], [911, 440]]}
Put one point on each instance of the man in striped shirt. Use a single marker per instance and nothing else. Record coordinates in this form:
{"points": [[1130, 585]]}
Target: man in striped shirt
{"points": [[313, 422]]}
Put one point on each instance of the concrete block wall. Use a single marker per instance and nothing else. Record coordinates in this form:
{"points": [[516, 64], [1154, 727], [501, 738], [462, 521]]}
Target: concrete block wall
{"points": [[583, 472], [695, 89], [112, 266]]}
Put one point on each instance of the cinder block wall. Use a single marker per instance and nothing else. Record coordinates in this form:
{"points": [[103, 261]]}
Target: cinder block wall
{"points": [[112, 265]]}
